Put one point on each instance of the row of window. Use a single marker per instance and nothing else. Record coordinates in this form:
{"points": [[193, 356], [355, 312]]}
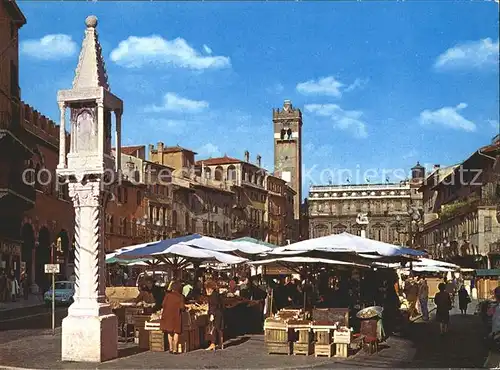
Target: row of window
{"points": [[345, 207], [468, 227]]}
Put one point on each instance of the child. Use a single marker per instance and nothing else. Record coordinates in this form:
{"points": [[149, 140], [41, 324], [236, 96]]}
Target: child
{"points": [[443, 304]]}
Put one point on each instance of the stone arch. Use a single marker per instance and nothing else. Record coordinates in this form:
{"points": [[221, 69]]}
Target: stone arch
{"points": [[320, 230], [42, 257], [231, 173], [219, 173], [28, 237]]}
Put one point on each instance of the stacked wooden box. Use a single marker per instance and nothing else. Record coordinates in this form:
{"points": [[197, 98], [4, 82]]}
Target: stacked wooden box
{"points": [[304, 343], [158, 341], [276, 337], [323, 345], [326, 321]]}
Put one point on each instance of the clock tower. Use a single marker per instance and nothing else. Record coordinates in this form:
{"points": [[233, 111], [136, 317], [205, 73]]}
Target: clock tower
{"points": [[288, 150]]}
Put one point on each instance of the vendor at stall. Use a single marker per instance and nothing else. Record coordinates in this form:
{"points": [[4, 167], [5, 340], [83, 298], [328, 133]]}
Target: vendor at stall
{"points": [[151, 293]]}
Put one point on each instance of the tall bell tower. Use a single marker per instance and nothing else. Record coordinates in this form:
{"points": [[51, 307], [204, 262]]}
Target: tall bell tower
{"points": [[288, 149]]}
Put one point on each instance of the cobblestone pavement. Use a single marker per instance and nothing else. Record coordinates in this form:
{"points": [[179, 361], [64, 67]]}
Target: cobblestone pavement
{"points": [[28, 322], [422, 348]]}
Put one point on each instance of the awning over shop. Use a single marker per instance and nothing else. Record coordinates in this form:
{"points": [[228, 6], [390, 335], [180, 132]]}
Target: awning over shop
{"points": [[488, 272]]}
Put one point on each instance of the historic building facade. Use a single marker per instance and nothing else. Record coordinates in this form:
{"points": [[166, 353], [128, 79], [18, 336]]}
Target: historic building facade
{"points": [[35, 213], [246, 182], [333, 209], [460, 204]]}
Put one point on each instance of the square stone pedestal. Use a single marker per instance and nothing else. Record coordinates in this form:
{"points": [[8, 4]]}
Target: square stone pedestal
{"points": [[89, 338]]}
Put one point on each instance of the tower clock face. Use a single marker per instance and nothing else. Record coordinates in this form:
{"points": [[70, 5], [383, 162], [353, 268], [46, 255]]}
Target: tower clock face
{"points": [[286, 156]]}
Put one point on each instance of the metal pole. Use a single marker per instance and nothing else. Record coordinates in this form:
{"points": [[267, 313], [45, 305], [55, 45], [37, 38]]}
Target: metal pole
{"points": [[53, 304]]}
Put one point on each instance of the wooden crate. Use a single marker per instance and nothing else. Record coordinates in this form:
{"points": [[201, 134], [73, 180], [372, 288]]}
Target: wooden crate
{"points": [[341, 350], [324, 349], [323, 337], [304, 344], [276, 335], [158, 341], [279, 348]]}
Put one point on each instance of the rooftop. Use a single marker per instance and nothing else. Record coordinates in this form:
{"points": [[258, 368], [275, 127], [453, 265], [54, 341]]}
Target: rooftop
{"points": [[218, 160], [359, 186], [130, 150], [174, 149]]}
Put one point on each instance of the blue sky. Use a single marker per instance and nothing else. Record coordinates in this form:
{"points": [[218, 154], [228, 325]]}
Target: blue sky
{"points": [[380, 84]]}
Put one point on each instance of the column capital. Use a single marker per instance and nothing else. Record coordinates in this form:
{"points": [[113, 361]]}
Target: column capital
{"points": [[118, 112], [62, 104], [100, 103]]}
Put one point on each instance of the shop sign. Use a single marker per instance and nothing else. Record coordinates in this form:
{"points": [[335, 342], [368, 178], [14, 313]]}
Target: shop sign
{"points": [[10, 248], [51, 268], [342, 337]]}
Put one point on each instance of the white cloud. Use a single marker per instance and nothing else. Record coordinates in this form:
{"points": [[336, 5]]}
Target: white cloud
{"points": [[324, 86], [50, 47], [175, 103], [136, 52], [470, 55], [329, 86], [448, 117], [207, 49], [358, 84], [347, 120], [209, 150], [169, 126]]}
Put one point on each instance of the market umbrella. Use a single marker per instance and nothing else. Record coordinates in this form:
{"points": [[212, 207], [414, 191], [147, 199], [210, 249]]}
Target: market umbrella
{"points": [[112, 257], [253, 246], [306, 260], [345, 243], [194, 240]]}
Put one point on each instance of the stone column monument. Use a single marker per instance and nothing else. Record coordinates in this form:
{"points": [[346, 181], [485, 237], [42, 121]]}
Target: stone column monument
{"points": [[89, 332]]}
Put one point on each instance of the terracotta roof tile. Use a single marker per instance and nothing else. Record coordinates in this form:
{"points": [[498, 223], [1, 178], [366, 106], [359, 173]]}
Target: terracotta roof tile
{"points": [[219, 160], [175, 149], [130, 150]]}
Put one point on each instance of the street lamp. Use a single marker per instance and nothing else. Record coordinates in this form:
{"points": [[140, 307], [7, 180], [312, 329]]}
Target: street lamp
{"points": [[416, 216]]}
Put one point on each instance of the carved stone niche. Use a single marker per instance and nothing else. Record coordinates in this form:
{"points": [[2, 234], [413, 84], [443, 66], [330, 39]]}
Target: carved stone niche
{"points": [[84, 129]]}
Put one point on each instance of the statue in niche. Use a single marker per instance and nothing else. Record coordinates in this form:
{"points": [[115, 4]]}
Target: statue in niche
{"points": [[86, 133]]}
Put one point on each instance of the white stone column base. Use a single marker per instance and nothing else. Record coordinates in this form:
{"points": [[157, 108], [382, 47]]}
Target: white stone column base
{"points": [[89, 338]]}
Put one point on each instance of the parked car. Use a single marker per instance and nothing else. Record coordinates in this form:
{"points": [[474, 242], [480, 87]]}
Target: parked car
{"points": [[64, 291]]}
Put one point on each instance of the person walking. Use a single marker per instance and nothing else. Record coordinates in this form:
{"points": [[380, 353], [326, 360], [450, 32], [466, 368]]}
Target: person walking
{"points": [[443, 307], [423, 297], [216, 316], [463, 300], [171, 317]]}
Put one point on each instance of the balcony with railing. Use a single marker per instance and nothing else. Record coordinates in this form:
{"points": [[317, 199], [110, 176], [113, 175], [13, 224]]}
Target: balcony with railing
{"points": [[464, 206]]}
